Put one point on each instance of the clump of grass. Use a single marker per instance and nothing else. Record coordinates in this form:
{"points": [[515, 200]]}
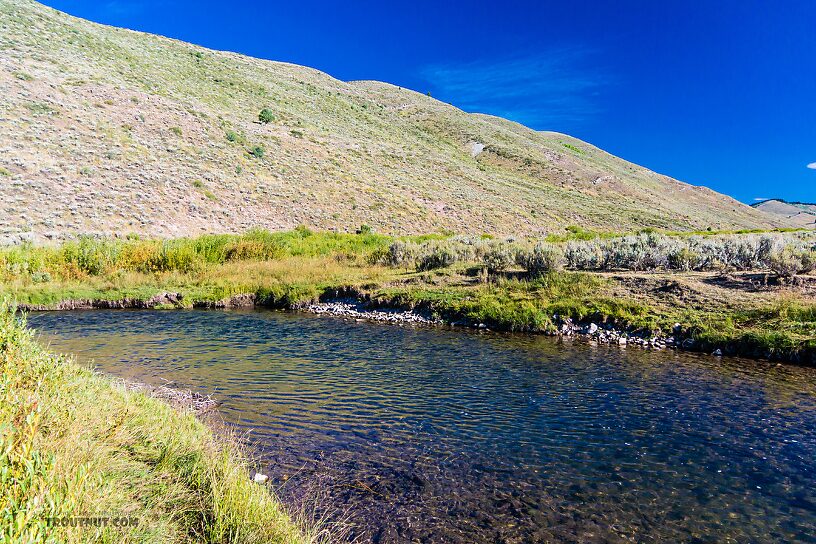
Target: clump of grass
{"points": [[176, 131], [257, 152], [235, 137], [73, 444]]}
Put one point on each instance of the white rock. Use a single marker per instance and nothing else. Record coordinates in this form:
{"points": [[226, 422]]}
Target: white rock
{"points": [[260, 478]]}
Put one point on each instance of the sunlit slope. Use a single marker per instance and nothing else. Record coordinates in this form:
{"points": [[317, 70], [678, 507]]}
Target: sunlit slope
{"points": [[105, 130], [799, 213]]}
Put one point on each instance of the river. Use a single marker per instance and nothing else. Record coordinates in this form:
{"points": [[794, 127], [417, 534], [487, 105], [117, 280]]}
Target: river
{"points": [[437, 435]]}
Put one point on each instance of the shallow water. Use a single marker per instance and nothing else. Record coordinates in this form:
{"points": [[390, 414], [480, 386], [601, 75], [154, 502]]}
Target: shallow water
{"points": [[434, 435]]}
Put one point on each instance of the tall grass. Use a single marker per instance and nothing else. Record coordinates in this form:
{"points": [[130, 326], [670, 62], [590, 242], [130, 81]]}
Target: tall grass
{"points": [[95, 257], [75, 445]]}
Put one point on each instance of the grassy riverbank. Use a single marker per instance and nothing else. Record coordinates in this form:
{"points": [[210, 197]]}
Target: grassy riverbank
{"points": [[746, 293], [75, 446]]}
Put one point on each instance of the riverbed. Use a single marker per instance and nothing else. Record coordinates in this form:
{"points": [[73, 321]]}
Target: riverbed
{"points": [[427, 434]]}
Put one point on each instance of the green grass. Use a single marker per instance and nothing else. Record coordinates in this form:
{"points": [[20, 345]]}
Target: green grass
{"points": [[521, 305], [285, 268], [98, 257], [573, 148], [74, 444]]}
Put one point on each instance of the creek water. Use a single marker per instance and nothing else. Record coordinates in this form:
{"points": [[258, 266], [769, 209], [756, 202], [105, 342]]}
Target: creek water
{"points": [[410, 434]]}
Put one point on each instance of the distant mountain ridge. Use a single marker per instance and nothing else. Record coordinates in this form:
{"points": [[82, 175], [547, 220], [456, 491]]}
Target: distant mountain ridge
{"points": [[802, 214], [111, 131]]}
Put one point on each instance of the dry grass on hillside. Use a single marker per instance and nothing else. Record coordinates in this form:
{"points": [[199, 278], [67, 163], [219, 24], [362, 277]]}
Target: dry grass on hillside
{"points": [[104, 130]]}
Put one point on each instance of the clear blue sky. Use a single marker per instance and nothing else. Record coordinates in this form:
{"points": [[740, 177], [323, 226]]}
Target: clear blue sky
{"points": [[717, 93]]}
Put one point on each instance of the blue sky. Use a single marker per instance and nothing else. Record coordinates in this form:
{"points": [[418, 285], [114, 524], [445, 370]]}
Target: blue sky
{"points": [[720, 93]]}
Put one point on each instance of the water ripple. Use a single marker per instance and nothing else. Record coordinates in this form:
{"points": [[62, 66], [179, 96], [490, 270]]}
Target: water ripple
{"points": [[440, 436]]}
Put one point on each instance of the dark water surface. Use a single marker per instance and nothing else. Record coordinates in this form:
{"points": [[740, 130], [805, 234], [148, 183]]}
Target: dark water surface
{"points": [[433, 435]]}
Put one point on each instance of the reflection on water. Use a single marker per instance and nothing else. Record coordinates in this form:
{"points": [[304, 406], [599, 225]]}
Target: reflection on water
{"points": [[433, 435]]}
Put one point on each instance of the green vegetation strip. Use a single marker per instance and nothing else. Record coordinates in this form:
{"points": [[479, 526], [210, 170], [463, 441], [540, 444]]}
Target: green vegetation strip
{"points": [[513, 285], [75, 448]]}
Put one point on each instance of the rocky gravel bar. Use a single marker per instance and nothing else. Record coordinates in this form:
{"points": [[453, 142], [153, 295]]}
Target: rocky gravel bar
{"points": [[358, 310]]}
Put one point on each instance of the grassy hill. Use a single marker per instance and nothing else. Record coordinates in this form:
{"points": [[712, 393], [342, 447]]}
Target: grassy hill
{"points": [[110, 131]]}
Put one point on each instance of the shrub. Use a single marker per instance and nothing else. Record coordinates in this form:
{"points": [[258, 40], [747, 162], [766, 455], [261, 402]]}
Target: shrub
{"points": [[684, 259], [266, 116], [400, 253], [635, 252], [499, 257], [176, 131], [790, 262], [234, 137], [41, 277], [21, 260], [364, 229], [89, 255], [303, 231], [584, 255], [652, 251], [246, 250], [166, 256], [436, 255], [177, 255], [257, 152], [257, 244], [541, 259]]}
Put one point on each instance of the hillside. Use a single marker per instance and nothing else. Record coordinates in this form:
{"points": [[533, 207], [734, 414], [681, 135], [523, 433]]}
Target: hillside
{"points": [[110, 131], [798, 213]]}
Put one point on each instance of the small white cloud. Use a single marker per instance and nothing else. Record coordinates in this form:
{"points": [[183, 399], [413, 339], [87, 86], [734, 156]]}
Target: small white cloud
{"points": [[812, 166], [761, 199]]}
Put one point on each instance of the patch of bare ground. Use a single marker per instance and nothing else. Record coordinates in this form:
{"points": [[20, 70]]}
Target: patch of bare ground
{"points": [[710, 290]]}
